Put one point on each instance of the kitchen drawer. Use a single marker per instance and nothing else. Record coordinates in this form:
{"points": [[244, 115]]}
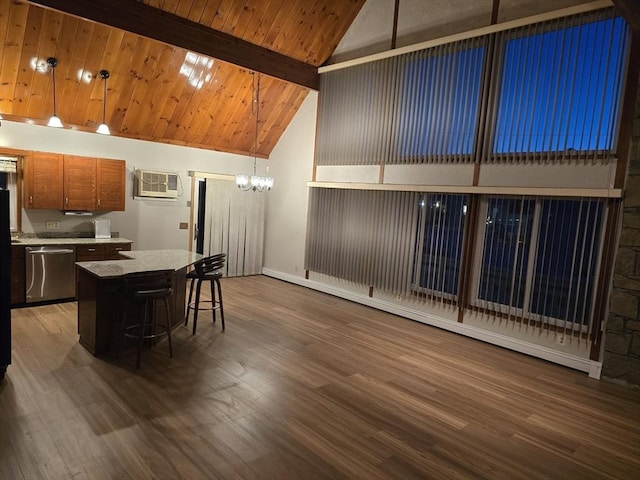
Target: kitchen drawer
{"points": [[90, 253], [112, 250]]}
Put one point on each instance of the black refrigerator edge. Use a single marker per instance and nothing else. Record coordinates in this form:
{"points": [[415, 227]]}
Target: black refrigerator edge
{"points": [[5, 284]]}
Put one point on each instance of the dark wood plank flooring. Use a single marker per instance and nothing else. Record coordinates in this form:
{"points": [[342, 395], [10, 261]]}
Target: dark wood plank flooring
{"points": [[304, 385]]}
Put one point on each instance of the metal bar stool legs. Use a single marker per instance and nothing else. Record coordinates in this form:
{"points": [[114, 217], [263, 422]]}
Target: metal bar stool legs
{"points": [[219, 301], [208, 269], [146, 289]]}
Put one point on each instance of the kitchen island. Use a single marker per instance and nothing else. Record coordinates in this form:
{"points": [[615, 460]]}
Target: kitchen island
{"points": [[100, 297]]}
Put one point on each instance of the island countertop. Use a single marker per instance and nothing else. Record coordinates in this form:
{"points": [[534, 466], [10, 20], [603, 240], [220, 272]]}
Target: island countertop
{"points": [[141, 261], [39, 241]]}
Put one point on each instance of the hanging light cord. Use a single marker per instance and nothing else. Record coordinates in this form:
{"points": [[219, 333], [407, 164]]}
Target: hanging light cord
{"points": [[104, 100], [54, 92], [254, 182], [256, 111], [53, 63]]}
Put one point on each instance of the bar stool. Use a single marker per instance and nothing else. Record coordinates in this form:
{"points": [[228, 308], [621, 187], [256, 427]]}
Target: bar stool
{"points": [[142, 290], [207, 269]]}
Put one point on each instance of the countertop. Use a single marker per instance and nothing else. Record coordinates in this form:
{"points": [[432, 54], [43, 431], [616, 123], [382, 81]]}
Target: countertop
{"points": [[141, 261], [29, 242]]}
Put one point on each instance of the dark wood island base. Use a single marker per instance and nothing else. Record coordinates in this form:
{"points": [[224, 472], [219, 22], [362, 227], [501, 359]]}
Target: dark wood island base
{"points": [[101, 300]]}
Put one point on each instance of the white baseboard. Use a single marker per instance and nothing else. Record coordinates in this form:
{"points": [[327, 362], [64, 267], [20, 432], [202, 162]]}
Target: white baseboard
{"points": [[593, 368]]}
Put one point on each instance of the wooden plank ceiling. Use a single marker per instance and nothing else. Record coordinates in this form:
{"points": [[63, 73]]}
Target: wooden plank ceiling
{"points": [[157, 91]]}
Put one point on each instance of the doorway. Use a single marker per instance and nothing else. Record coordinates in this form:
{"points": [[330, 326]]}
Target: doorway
{"points": [[201, 208]]}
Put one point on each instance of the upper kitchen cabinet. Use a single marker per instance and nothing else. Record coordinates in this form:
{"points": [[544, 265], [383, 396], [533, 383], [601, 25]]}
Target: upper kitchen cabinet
{"points": [[43, 175], [82, 183], [110, 193], [79, 183]]}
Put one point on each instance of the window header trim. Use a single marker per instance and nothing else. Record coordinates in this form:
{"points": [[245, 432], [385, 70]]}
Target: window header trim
{"points": [[479, 190]]}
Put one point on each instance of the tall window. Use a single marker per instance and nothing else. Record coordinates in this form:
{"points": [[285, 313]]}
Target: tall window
{"points": [[550, 90], [507, 241], [439, 243], [539, 257], [560, 86], [440, 103]]}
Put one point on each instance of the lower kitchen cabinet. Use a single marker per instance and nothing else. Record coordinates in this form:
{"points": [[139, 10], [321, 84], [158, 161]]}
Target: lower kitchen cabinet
{"points": [[89, 253], [112, 250], [101, 251], [84, 253], [18, 280]]}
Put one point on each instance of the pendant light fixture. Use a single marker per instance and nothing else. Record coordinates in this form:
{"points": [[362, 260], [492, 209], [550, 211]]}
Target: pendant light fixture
{"points": [[103, 128], [254, 182], [54, 121]]}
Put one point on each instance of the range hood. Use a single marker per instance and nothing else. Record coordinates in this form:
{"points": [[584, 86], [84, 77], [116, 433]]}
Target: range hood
{"points": [[78, 213]]}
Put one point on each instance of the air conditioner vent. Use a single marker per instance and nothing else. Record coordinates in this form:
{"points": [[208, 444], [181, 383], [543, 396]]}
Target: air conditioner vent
{"points": [[157, 184]]}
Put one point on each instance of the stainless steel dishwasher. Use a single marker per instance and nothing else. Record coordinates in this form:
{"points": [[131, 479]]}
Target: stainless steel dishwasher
{"points": [[51, 273]]}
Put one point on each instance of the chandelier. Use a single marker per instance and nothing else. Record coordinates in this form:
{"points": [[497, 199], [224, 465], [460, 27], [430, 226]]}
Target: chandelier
{"points": [[254, 183]]}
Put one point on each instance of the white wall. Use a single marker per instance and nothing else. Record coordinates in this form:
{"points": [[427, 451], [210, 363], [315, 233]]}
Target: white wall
{"points": [[421, 20], [151, 224], [291, 166]]}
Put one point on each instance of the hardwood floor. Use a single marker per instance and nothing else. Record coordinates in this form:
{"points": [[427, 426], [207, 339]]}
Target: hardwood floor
{"points": [[304, 385]]}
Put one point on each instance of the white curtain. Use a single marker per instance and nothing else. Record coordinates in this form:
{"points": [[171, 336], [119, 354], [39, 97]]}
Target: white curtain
{"points": [[234, 224]]}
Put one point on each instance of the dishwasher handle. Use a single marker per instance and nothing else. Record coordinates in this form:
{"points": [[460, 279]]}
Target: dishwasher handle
{"points": [[58, 251]]}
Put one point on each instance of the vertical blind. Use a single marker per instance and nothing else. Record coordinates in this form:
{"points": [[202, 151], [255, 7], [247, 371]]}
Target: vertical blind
{"points": [[439, 103], [439, 244], [234, 224], [543, 92], [547, 92], [364, 237], [356, 114], [539, 259], [558, 88]]}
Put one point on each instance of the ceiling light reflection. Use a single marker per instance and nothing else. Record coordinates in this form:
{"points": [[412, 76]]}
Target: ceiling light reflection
{"points": [[197, 69]]}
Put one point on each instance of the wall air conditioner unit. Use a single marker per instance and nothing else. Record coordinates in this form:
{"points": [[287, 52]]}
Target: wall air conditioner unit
{"points": [[157, 184]]}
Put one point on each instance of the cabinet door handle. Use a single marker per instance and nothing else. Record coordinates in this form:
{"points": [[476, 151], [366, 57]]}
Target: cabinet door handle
{"points": [[98, 202], [118, 249], [30, 199], [91, 249], [66, 200]]}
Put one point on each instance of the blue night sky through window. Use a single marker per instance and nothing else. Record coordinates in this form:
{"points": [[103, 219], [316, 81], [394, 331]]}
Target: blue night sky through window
{"points": [[440, 103], [559, 90]]}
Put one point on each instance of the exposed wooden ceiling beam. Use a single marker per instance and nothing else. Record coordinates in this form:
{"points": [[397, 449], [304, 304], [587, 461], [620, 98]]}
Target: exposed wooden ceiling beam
{"points": [[140, 19], [630, 9]]}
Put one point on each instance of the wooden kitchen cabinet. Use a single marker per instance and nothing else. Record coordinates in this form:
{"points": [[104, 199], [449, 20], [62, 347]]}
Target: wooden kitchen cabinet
{"points": [[90, 253], [43, 181], [112, 250], [71, 182], [79, 183], [96, 252], [18, 285], [101, 251], [110, 191]]}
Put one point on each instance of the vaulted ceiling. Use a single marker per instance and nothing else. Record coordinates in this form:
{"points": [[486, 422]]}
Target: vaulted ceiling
{"points": [[165, 84]]}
